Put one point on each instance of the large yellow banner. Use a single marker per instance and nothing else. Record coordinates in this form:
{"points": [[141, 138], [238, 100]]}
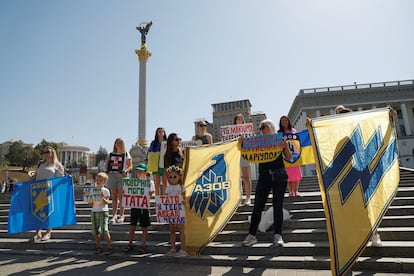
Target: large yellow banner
{"points": [[358, 171], [212, 191]]}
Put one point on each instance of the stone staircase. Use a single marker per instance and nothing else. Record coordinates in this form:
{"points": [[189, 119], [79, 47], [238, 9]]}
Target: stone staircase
{"points": [[306, 240]]}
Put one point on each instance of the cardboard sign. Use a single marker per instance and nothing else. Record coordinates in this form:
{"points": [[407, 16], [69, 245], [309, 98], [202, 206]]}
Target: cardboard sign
{"points": [[262, 148], [170, 209], [185, 144], [92, 194], [230, 132], [136, 193]]}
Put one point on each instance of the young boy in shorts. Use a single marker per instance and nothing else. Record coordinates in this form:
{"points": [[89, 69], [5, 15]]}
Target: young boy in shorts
{"points": [[100, 216], [139, 214]]}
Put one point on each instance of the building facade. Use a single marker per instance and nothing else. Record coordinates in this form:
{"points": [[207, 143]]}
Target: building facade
{"points": [[315, 102], [73, 156]]}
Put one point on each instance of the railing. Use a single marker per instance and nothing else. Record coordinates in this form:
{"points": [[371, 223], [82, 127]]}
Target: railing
{"points": [[357, 86]]}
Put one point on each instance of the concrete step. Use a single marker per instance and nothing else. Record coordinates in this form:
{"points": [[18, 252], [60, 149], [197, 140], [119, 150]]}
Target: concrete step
{"points": [[305, 236], [156, 253]]}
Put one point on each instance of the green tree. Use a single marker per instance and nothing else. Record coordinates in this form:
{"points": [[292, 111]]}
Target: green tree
{"points": [[45, 143], [102, 154], [21, 155]]}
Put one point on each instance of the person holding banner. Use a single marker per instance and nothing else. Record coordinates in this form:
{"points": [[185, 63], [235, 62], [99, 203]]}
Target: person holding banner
{"points": [[119, 164], [174, 153], [202, 134], [272, 176], [156, 153], [245, 166], [176, 189], [48, 168], [294, 173], [100, 216], [140, 215]]}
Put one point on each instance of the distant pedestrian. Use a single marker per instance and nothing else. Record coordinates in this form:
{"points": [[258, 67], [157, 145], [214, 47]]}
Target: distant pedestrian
{"points": [[100, 216]]}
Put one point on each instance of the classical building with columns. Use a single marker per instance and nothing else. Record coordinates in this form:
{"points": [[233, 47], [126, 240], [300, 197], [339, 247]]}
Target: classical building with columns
{"points": [[315, 102], [71, 155]]}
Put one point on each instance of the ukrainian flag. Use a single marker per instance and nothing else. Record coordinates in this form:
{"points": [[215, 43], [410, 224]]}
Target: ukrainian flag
{"points": [[301, 147], [358, 172], [212, 191]]}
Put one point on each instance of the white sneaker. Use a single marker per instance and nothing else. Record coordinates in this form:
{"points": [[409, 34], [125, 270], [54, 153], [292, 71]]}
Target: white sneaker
{"points": [[248, 202], [181, 253], [172, 252], [278, 240], [376, 240], [249, 240]]}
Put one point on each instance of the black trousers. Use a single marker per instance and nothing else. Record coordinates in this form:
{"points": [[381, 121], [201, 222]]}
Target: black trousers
{"points": [[275, 180]]}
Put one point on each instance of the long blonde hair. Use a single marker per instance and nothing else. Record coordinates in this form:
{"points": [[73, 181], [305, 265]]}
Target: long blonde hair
{"points": [[123, 150], [55, 159]]}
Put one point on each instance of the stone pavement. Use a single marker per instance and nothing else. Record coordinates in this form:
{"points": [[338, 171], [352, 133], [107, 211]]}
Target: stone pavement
{"points": [[19, 264]]}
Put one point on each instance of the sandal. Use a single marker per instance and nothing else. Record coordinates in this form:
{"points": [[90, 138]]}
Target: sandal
{"points": [[142, 250], [108, 251], [46, 237], [129, 248], [120, 219], [98, 250]]}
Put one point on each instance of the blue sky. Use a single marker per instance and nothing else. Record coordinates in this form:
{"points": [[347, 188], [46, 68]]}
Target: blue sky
{"points": [[69, 71]]}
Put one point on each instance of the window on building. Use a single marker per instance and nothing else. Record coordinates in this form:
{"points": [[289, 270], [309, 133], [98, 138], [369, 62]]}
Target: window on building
{"points": [[399, 114]]}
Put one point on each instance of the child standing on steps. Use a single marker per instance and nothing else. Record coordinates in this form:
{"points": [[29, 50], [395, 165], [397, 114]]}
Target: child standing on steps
{"points": [[140, 214], [100, 216], [175, 188]]}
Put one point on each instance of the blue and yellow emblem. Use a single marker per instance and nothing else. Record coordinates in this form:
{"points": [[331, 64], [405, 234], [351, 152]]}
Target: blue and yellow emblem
{"points": [[41, 200], [212, 191], [358, 172]]}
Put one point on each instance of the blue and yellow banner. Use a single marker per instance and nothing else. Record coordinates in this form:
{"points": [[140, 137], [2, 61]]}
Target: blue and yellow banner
{"points": [[42, 204], [301, 147], [212, 191], [358, 172], [266, 148]]}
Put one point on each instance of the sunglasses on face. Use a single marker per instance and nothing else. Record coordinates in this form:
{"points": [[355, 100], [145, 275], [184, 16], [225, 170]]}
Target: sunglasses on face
{"points": [[173, 176], [200, 125], [177, 139], [46, 152]]}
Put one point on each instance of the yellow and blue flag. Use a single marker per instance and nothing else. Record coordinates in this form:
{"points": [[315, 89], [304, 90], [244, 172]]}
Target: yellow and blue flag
{"points": [[42, 204], [301, 147], [358, 172], [212, 191], [266, 148]]}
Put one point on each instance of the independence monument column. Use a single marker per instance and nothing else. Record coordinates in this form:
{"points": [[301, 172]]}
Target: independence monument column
{"points": [[139, 150], [143, 55]]}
